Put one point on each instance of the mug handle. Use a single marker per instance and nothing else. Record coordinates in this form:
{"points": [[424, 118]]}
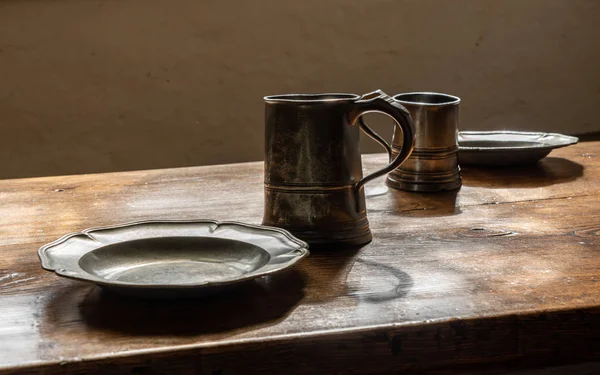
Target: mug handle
{"points": [[380, 102]]}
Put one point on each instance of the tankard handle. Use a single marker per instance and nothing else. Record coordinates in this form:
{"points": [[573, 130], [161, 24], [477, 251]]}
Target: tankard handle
{"points": [[380, 102]]}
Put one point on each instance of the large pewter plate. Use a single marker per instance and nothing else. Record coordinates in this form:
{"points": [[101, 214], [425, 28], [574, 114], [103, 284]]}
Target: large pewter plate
{"points": [[503, 148], [171, 259]]}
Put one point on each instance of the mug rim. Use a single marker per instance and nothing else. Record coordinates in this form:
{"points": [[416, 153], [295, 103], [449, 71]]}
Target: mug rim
{"points": [[451, 99], [311, 98]]}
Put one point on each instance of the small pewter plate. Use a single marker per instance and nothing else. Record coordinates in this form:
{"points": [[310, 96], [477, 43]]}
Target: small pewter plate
{"points": [[503, 148], [171, 259]]}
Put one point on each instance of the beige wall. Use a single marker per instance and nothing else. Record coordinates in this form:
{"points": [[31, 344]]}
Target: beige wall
{"points": [[92, 86]]}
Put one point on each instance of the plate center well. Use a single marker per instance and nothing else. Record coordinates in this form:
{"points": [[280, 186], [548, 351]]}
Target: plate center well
{"points": [[174, 260]]}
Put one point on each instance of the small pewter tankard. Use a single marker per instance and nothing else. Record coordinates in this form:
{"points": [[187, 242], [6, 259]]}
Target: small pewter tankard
{"points": [[313, 170], [433, 165]]}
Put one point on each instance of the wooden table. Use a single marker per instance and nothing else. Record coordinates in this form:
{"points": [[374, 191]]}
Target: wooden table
{"points": [[503, 274]]}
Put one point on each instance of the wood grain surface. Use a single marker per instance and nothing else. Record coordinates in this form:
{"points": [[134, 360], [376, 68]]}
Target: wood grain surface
{"points": [[504, 273]]}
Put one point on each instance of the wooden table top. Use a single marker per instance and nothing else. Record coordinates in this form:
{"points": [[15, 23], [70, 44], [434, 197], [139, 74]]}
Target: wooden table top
{"points": [[506, 270]]}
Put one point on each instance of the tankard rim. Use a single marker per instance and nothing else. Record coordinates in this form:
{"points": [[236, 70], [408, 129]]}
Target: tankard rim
{"points": [[426, 98], [311, 98]]}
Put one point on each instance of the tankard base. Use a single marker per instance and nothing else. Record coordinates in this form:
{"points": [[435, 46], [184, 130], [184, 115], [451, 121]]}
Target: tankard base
{"points": [[328, 239], [424, 185]]}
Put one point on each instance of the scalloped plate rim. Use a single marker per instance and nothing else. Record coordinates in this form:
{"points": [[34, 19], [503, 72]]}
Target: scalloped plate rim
{"points": [[300, 251], [568, 141]]}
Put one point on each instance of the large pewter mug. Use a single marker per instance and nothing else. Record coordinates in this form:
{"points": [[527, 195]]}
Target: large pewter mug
{"points": [[313, 170]]}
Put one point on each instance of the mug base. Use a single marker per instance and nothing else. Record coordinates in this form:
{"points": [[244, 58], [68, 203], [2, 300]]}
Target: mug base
{"points": [[322, 240], [423, 186], [326, 244]]}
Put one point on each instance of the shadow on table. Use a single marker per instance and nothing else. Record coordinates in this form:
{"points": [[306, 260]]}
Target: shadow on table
{"points": [[394, 283], [330, 273], [259, 302], [548, 171], [326, 271]]}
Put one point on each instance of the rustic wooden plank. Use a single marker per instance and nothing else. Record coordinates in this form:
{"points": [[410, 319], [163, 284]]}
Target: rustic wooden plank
{"points": [[506, 269]]}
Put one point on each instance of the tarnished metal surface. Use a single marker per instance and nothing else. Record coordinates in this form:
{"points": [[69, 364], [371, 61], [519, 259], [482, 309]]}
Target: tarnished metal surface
{"points": [[172, 259], [313, 171], [433, 165]]}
